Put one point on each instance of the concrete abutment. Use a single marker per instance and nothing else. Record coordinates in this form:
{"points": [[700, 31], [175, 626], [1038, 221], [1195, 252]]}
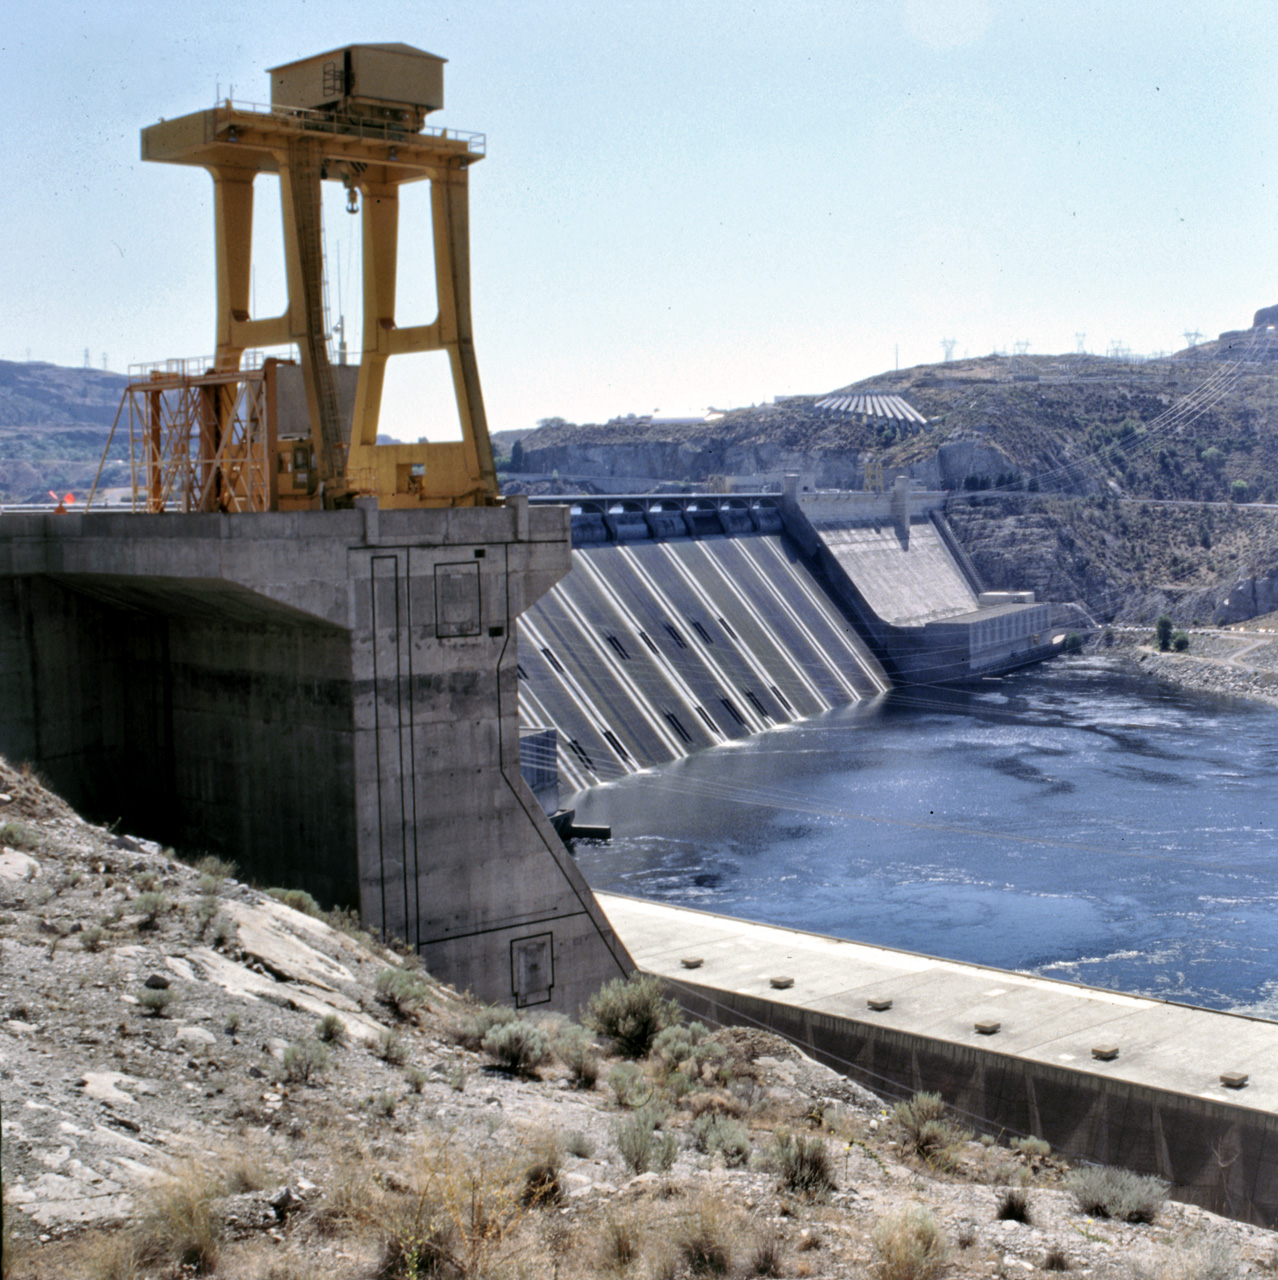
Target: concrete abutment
{"points": [[327, 698]]}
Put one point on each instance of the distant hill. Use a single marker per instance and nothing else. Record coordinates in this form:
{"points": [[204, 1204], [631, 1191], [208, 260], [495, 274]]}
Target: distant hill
{"points": [[1066, 424], [54, 424]]}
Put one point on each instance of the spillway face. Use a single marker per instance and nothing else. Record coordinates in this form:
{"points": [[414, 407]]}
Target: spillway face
{"points": [[652, 649], [327, 698], [896, 567], [906, 581]]}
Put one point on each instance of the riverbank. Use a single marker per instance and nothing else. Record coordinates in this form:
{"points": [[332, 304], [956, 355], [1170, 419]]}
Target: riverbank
{"points": [[1238, 663]]}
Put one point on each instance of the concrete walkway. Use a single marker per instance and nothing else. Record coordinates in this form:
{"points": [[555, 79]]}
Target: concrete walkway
{"points": [[1162, 1046]]}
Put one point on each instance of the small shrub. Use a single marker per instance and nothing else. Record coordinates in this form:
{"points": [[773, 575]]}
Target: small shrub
{"points": [[209, 886], [908, 1246], [542, 1188], [1056, 1260], [206, 911], [223, 930], [642, 1146], [1180, 641], [304, 1060], [91, 938], [384, 1104], [155, 1002], [518, 1046], [231, 1024], [575, 1048], [148, 881], [577, 1144], [630, 1085], [402, 991], [1013, 1205], [677, 1044], [804, 1163], [180, 1223], [631, 1012], [299, 900], [391, 1048], [215, 868], [416, 1079], [712, 1132], [331, 1029], [766, 1258], [150, 906], [17, 835], [1034, 1148], [1105, 1192], [926, 1132], [469, 1032]]}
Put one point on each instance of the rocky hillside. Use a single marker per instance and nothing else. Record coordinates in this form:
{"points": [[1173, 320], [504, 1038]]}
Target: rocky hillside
{"points": [[1063, 424], [201, 1078], [54, 424], [1127, 560]]}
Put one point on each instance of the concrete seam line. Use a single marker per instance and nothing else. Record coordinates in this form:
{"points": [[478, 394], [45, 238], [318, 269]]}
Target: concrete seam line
{"points": [[503, 928], [602, 925]]}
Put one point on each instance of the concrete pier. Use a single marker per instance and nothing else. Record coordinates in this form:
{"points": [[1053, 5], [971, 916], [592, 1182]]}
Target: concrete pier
{"points": [[1013, 1053], [328, 698]]}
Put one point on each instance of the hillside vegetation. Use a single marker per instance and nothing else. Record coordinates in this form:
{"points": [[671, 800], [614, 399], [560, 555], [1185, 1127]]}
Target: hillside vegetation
{"points": [[54, 424]]}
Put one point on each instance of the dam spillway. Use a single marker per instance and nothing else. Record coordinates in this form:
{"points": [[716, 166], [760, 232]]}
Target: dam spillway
{"points": [[694, 621], [650, 651]]}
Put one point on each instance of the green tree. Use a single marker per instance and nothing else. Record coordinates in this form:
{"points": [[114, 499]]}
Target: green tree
{"points": [[1163, 629]]}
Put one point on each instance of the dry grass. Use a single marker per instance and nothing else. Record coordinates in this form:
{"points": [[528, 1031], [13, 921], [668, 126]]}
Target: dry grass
{"points": [[706, 1237], [179, 1222], [1213, 1260], [352, 1197], [245, 1168], [908, 1246], [621, 1241]]}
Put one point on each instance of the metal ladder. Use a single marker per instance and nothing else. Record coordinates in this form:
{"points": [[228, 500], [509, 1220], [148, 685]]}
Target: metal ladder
{"points": [[304, 169]]}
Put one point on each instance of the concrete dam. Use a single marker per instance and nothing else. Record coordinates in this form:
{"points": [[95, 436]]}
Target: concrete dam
{"points": [[690, 622]]}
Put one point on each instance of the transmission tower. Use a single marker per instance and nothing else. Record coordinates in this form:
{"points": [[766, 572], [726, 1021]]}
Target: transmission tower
{"points": [[88, 360], [1020, 348], [1080, 340], [1192, 337], [948, 345]]}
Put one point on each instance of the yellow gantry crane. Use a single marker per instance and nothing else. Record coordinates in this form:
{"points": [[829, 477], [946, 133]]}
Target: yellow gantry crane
{"points": [[354, 116]]}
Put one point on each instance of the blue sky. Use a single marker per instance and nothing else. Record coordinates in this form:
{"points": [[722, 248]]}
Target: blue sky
{"points": [[687, 204]]}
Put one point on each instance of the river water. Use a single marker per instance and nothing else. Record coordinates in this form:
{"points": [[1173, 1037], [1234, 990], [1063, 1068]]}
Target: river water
{"points": [[1072, 820]]}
